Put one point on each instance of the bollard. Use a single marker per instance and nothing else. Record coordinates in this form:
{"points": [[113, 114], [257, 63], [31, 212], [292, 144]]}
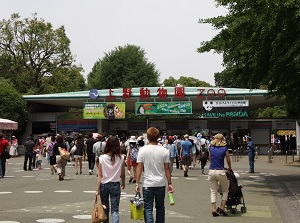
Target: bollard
{"points": [[269, 155], [286, 157]]}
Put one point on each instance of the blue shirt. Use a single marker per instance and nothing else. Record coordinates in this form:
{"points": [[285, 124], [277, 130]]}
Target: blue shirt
{"points": [[251, 148], [186, 148], [217, 155]]}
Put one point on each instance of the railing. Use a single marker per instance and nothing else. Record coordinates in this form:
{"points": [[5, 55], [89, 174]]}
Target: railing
{"points": [[257, 152], [236, 154], [291, 152]]}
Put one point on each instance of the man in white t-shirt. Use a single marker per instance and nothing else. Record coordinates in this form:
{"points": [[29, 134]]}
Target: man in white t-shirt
{"points": [[154, 160]]}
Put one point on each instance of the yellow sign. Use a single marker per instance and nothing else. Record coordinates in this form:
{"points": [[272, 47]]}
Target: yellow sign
{"points": [[286, 132], [104, 110]]}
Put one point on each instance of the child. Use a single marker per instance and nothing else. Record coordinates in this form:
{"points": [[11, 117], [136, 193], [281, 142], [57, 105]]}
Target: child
{"points": [[38, 159]]}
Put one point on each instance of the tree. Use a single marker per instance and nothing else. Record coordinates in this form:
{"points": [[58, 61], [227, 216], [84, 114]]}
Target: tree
{"points": [[12, 107], [36, 57], [123, 67], [260, 43], [185, 81]]}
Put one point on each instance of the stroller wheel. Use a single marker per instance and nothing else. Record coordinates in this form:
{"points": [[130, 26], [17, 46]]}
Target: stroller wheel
{"points": [[243, 209], [233, 211]]}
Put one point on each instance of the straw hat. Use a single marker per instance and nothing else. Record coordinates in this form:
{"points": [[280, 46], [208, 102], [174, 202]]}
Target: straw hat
{"points": [[219, 140]]}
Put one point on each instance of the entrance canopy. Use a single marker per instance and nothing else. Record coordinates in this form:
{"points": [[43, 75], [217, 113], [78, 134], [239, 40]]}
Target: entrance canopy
{"points": [[6, 124], [196, 95]]}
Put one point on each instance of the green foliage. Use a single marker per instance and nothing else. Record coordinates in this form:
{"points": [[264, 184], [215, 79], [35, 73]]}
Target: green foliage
{"points": [[260, 43], [12, 107], [185, 82], [36, 57], [270, 112], [123, 67]]}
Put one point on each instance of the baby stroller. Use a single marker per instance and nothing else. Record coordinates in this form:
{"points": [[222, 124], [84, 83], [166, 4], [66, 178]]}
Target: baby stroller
{"points": [[235, 194]]}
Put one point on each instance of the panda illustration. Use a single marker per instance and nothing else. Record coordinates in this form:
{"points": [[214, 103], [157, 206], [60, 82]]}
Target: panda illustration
{"points": [[208, 105]]}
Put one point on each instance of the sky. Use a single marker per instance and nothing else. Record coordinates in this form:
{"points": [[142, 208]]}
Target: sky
{"points": [[167, 30]]}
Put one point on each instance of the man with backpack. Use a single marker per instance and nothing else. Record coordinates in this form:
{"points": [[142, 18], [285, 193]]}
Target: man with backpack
{"points": [[132, 153], [98, 148]]}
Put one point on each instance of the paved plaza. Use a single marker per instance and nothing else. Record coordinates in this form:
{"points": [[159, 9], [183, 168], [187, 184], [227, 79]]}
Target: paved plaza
{"points": [[271, 194]]}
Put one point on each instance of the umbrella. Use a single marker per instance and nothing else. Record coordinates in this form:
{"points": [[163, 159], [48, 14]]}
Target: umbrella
{"points": [[73, 135]]}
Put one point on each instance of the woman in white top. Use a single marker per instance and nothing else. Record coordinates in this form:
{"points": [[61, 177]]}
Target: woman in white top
{"points": [[13, 148], [110, 170]]}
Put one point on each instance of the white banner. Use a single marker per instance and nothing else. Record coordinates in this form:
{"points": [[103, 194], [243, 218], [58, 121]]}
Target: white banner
{"points": [[225, 103]]}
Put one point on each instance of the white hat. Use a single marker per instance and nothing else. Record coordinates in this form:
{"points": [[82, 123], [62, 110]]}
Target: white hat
{"points": [[132, 139]]}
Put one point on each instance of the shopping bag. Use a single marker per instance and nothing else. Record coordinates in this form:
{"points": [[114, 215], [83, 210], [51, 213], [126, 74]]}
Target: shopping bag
{"points": [[137, 208], [73, 149], [98, 213], [64, 153]]}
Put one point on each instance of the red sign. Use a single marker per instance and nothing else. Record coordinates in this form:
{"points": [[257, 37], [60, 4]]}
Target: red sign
{"points": [[178, 92]]}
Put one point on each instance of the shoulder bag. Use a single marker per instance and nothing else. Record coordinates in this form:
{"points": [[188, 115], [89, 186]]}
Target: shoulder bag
{"points": [[98, 212]]}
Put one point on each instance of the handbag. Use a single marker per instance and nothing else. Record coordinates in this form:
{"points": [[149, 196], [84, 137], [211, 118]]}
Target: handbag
{"points": [[6, 155], [98, 213], [137, 207], [64, 153], [73, 149]]}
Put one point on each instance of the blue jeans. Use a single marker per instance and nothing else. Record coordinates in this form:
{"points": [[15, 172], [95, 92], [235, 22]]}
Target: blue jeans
{"points": [[112, 190], [251, 161], [157, 193]]}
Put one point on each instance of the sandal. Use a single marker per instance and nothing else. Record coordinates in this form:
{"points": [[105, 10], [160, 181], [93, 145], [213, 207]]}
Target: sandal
{"points": [[215, 214], [221, 211], [76, 173], [131, 179]]}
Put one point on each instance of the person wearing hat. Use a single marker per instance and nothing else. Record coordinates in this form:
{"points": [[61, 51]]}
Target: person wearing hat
{"points": [[217, 174], [98, 148], [131, 158], [185, 154], [13, 147], [251, 153]]}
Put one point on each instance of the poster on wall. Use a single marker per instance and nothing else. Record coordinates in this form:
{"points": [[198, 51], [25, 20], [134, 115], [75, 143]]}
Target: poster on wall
{"points": [[70, 122], [104, 110], [163, 108], [225, 108]]}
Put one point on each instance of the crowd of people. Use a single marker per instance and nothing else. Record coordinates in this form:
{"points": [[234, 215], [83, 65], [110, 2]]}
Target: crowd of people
{"points": [[152, 155]]}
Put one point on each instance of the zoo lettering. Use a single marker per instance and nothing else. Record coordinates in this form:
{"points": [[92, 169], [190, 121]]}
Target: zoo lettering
{"points": [[160, 92], [211, 92]]}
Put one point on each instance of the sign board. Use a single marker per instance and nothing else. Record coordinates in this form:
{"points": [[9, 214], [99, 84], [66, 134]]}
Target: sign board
{"points": [[283, 125], [238, 125], [163, 108], [225, 108], [104, 110]]}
